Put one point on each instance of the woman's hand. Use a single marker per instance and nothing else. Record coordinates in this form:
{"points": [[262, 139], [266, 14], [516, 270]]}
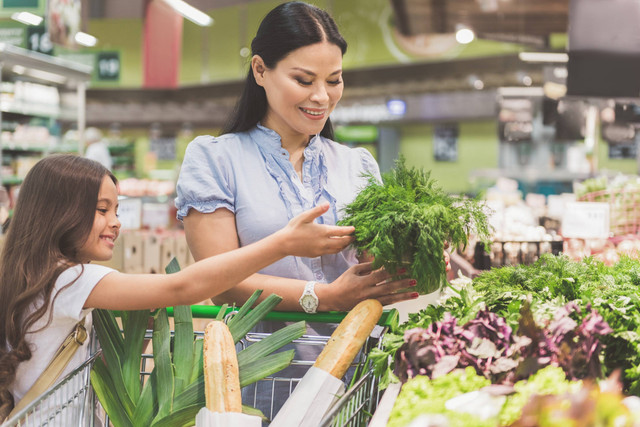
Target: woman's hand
{"points": [[361, 282], [303, 237]]}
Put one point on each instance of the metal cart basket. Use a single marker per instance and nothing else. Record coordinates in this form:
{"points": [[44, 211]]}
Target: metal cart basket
{"points": [[71, 402]]}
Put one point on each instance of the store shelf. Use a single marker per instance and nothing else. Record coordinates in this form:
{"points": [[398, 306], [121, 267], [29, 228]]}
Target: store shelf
{"points": [[67, 148], [31, 109], [530, 175], [41, 97]]}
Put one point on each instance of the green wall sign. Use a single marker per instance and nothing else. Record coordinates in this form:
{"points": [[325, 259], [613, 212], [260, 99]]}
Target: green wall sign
{"points": [[13, 35], [108, 66], [38, 40], [9, 7], [356, 133], [20, 4]]}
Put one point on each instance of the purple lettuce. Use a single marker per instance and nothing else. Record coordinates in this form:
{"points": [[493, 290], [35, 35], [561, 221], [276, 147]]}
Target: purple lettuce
{"points": [[570, 340], [487, 343]]}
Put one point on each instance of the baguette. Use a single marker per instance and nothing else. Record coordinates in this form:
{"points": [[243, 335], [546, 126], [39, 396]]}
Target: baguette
{"points": [[348, 338], [221, 375]]}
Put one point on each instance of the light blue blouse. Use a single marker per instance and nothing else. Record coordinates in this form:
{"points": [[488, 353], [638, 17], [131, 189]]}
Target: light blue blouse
{"points": [[249, 173]]}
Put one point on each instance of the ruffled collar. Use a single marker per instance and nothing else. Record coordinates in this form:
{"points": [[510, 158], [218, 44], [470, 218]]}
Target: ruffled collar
{"points": [[270, 142]]}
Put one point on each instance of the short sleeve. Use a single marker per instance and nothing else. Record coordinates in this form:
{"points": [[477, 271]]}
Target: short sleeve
{"points": [[369, 164], [204, 183], [70, 300]]}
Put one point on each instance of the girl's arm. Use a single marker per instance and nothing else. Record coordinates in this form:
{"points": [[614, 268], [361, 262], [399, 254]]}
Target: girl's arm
{"points": [[215, 233], [211, 276]]}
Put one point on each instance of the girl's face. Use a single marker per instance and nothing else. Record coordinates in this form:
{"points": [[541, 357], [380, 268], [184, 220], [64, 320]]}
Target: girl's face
{"points": [[302, 90], [106, 226]]}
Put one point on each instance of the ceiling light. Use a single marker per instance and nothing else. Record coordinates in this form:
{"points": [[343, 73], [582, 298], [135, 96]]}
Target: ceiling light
{"points": [[519, 91], [27, 18], [191, 13], [465, 36], [543, 57], [85, 39], [18, 69], [45, 75], [560, 72]]}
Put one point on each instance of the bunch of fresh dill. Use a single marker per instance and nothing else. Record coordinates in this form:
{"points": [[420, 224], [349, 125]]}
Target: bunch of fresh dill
{"points": [[405, 222]]}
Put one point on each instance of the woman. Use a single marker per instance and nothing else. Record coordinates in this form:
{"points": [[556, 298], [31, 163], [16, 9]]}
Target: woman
{"points": [[275, 159]]}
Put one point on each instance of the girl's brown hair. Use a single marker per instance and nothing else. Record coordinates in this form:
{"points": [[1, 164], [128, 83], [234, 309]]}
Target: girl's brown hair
{"points": [[51, 221]]}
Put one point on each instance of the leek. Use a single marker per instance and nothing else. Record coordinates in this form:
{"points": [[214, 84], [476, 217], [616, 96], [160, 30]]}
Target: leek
{"points": [[173, 393]]}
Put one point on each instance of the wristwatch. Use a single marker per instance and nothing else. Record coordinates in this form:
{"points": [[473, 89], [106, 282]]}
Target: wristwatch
{"points": [[309, 300]]}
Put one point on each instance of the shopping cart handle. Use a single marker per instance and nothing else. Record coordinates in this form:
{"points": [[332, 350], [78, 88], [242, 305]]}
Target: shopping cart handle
{"points": [[389, 317]]}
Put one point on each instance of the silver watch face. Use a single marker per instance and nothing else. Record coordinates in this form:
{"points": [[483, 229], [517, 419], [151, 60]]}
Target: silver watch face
{"points": [[309, 302]]}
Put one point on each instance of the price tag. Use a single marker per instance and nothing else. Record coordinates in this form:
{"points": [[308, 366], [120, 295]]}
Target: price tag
{"points": [[586, 220], [130, 213]]}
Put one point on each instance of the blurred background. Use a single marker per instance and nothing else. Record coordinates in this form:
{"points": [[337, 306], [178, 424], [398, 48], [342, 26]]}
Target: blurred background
{"points": [[529, 104]]}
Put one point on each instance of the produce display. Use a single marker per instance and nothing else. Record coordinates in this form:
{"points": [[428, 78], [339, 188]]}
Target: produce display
{"points": [[464, 399], [511, 324], [622, 193], [405, 223]]}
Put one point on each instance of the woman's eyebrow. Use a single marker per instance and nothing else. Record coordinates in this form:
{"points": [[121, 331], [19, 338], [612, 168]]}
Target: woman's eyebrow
{"points": [[311, 73]]}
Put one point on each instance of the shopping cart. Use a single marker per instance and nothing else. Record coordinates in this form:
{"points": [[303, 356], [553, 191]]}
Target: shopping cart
{"points": [[72, 402]]}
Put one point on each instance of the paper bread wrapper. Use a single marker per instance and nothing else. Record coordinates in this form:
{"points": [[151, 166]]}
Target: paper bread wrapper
{"points": [[206, 418], [311, 399]]}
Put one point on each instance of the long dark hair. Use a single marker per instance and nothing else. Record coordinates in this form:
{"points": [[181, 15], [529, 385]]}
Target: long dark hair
{"points": [[286, 28], [52, 220]]}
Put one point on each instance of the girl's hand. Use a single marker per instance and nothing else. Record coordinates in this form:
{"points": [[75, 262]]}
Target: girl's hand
{"points": [[361, 282], [306, 238]]}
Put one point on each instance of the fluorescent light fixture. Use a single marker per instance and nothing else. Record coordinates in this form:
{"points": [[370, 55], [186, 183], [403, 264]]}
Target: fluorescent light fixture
{"points": [[85, 39], [520, 91], [465, 36], [543, 57], [191, 13], [27, 18], [397, 107], [45, 75], [18, 69], [478, 84]]}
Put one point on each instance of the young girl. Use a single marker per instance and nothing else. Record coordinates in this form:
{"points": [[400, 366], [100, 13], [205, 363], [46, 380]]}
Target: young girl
{"points": [[65, 218]]}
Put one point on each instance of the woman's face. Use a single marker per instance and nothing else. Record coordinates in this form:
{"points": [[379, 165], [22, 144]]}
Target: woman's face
{"points": [[106, 226], [302, 90]]}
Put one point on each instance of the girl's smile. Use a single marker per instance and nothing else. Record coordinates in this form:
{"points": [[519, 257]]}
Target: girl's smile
{"points": [[106, 226]]}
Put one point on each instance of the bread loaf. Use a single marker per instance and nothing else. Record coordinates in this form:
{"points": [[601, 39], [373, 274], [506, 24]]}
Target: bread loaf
{"points": [[348, 338], [221, 375]]}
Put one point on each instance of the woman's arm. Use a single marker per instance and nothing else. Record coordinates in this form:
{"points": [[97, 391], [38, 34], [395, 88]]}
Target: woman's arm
{"points": [[215, 233], [211, 276]]}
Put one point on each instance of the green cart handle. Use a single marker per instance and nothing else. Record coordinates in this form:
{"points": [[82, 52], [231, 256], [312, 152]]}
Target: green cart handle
{"points": [[389, 317]]}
